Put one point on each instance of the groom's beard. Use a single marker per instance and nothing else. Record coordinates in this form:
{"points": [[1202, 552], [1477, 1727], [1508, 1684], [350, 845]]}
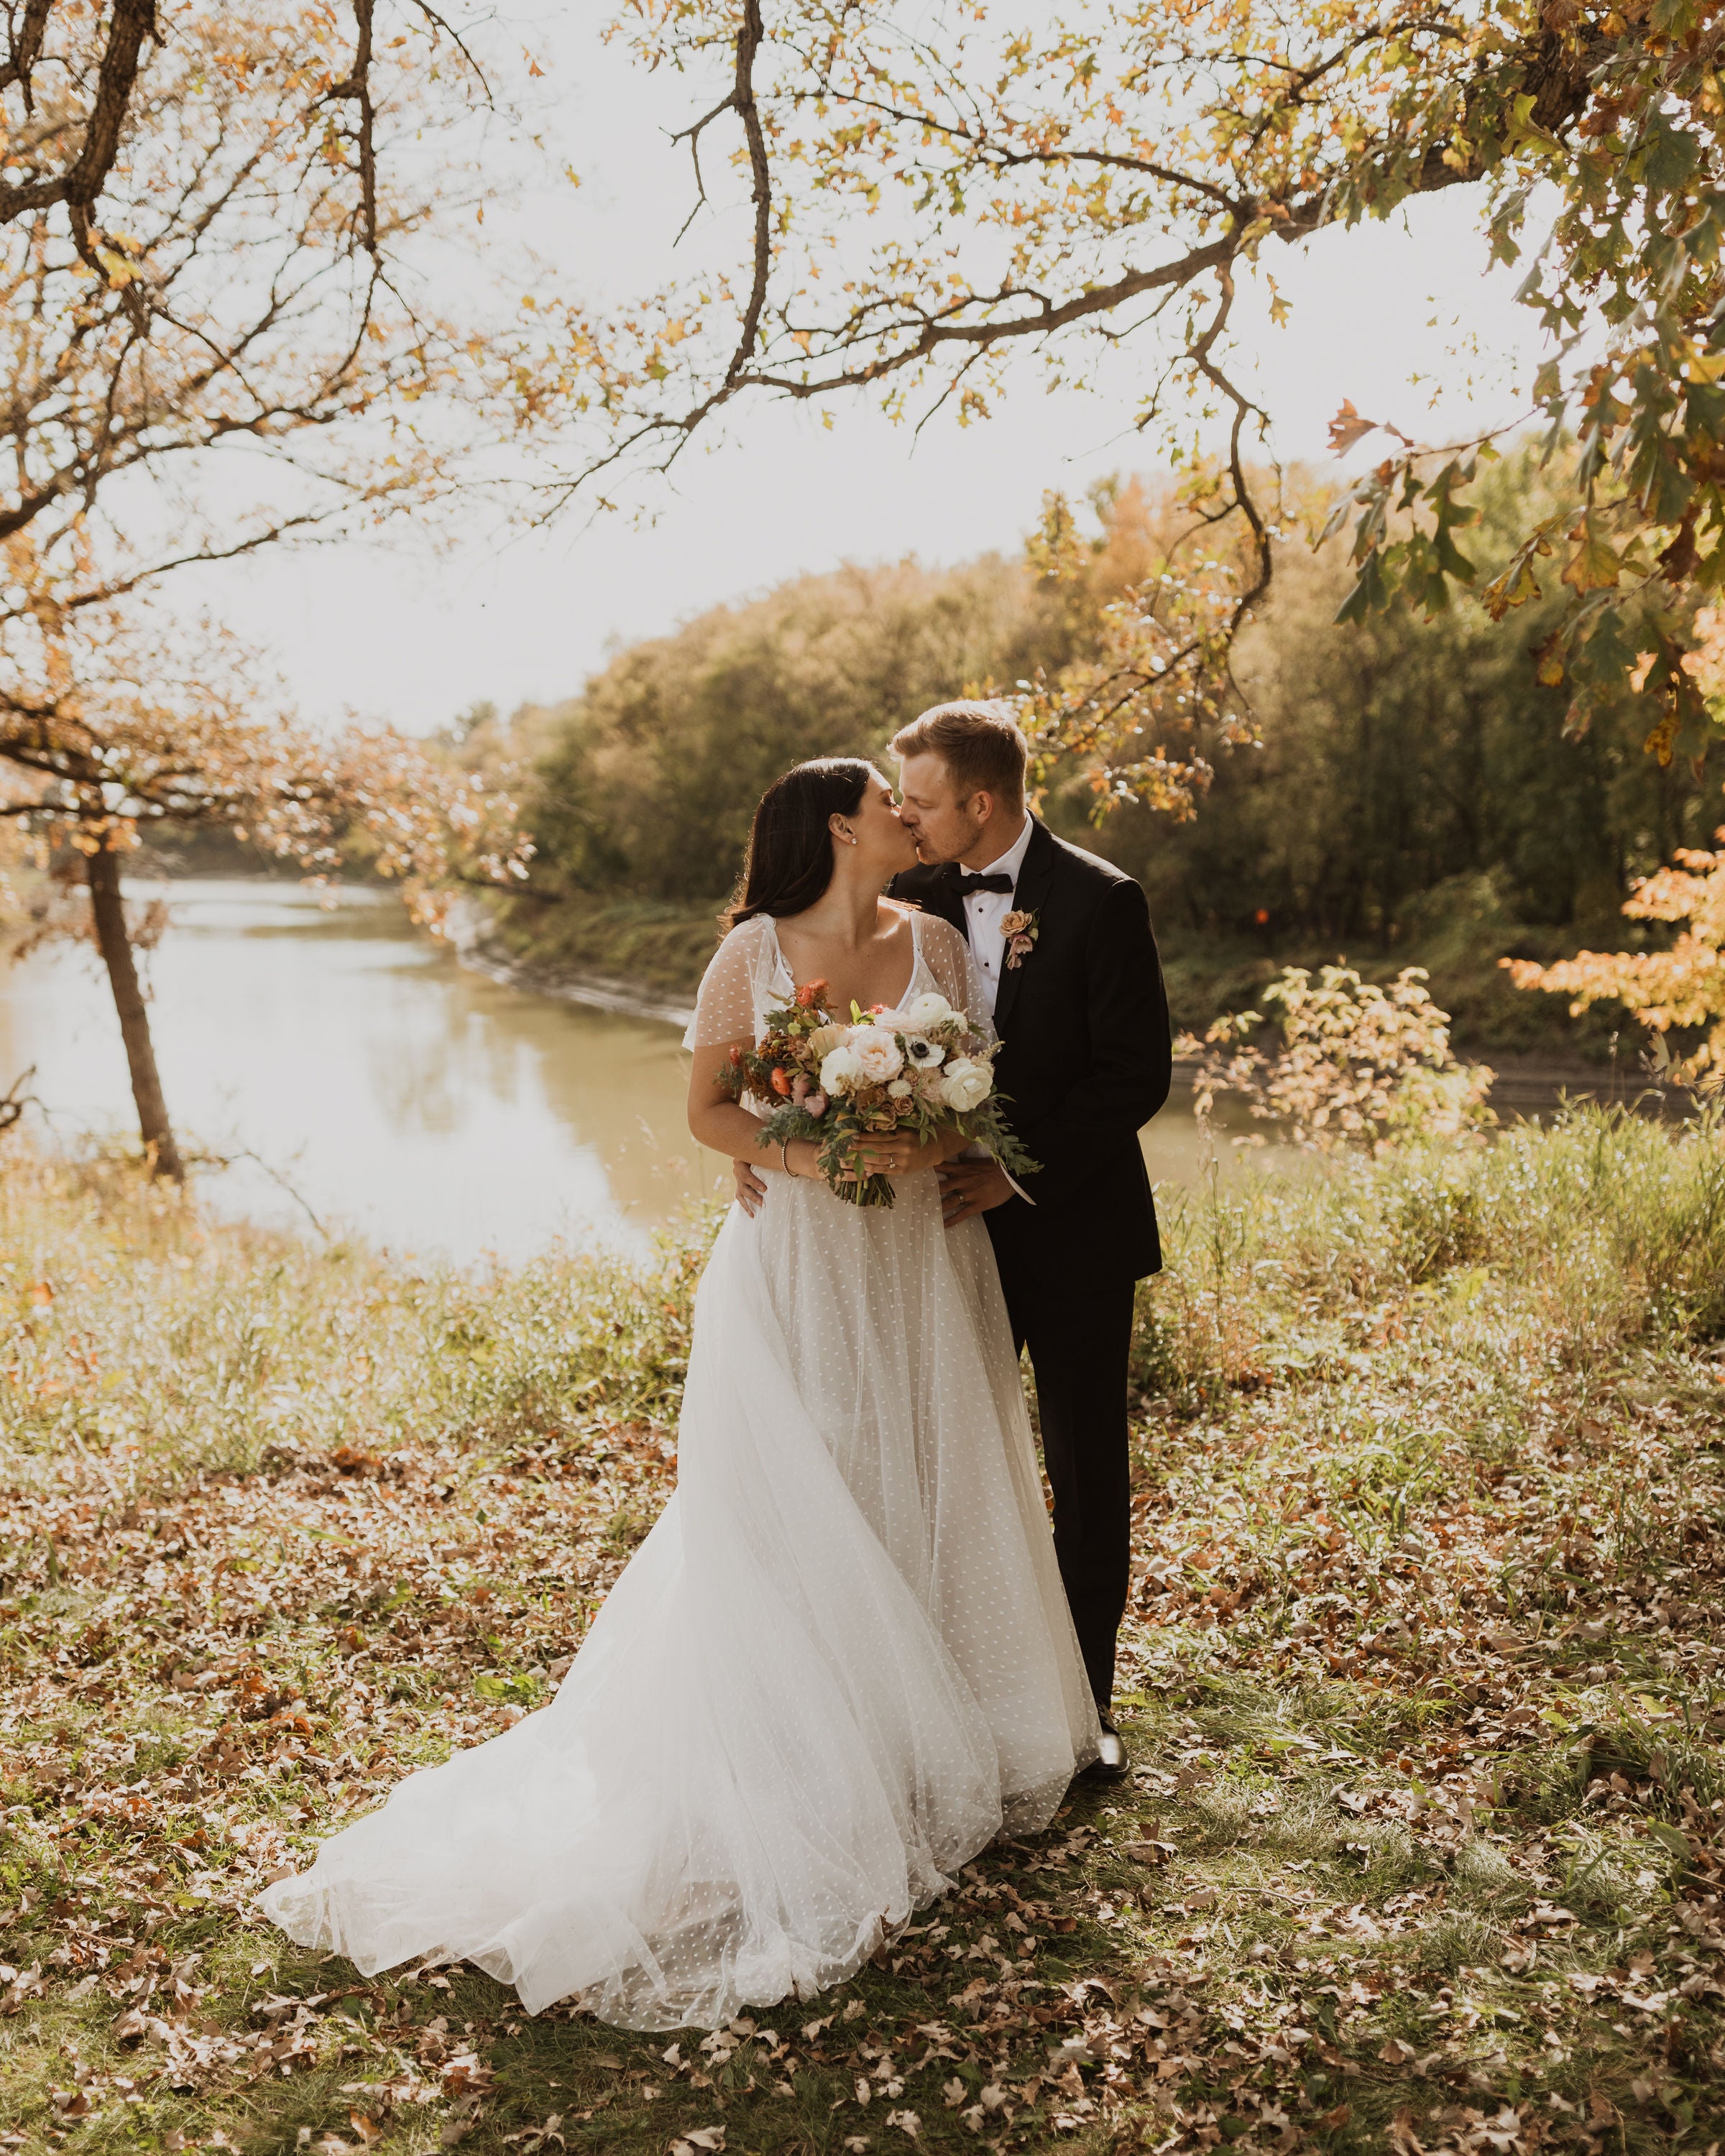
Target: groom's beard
{"points": [[936, 857]]}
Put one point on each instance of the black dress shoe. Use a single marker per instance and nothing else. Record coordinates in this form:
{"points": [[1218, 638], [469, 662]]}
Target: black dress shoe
{"points": [[1111, 1764]]}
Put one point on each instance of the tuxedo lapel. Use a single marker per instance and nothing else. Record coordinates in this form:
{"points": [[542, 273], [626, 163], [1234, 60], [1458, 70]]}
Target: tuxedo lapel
{"points": [[1033, 880]]}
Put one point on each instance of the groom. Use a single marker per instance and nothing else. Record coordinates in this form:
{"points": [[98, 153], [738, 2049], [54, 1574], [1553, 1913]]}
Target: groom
{"points": [[1064, 943]]}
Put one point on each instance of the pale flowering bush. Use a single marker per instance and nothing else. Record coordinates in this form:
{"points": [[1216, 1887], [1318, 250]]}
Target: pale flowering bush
{"points": [[1356, 1064]]}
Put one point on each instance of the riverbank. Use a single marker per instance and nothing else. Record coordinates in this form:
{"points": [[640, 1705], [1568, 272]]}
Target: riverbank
{"points": [[637, 958], [644, 954], [645, 957], [1423, 1681], [328, 1049]]}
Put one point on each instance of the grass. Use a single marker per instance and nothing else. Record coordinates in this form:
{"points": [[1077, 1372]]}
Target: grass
{"points": [[1425, 1688]]}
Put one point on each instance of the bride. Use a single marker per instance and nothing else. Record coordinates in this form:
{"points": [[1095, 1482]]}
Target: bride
{"points": [[842, 1662]]}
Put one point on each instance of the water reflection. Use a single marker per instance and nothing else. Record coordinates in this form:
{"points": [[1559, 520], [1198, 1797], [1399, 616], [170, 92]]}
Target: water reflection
{"points": [[401, 1096]]}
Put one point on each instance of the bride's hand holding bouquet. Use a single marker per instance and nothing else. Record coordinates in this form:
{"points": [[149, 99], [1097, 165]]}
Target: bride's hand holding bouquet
{"points": [[882, 1094]]}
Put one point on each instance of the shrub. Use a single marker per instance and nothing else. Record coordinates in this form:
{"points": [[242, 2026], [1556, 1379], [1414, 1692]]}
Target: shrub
{"points": [[1355, 1062]]}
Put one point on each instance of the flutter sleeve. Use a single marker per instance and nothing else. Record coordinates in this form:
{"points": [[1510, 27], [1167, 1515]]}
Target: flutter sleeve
{"points": [[729, 989], [948, 956]]}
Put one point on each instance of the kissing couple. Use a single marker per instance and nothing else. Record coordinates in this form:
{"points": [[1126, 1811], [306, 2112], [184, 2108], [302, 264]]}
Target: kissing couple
{"points": [[849, 1654]]}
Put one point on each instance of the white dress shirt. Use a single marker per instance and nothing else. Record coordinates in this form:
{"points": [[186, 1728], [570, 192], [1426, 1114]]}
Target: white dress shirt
{"points": [[985, 910]]}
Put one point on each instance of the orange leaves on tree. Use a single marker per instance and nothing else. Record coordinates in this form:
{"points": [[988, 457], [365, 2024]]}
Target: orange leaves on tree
{"points": [[1347, 428], [1681, 988], [1068, 182]]}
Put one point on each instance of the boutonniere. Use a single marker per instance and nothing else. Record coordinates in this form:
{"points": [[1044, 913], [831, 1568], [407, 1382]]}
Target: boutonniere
{"points": [[1021, 931]]}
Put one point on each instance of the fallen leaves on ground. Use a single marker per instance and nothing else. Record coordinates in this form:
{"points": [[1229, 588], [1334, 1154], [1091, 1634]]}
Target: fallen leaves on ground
{"points": [[1422, 1852]]}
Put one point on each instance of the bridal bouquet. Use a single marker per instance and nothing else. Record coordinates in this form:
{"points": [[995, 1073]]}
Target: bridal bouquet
{"points": [[925, 1069]]}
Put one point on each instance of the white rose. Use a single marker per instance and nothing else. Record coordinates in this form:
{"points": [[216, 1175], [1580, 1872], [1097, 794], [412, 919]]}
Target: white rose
{"points": [[965, 1085], [840, 1070], [876, 1053], [925, 1010], [823, 1042]]}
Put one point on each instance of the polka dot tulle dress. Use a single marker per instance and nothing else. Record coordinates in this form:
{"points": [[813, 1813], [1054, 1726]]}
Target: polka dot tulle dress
{"points": [[840, 1663]]}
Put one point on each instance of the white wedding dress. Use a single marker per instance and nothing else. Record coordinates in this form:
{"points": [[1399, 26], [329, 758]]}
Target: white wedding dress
{"points": [[839, 1664]]}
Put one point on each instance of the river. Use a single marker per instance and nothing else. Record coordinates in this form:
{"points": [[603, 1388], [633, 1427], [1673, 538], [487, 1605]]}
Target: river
{"points": [[357, 1075]]}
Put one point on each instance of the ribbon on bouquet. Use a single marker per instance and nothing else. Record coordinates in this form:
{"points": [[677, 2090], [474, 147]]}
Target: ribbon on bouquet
{"points": [[981, 1153]]}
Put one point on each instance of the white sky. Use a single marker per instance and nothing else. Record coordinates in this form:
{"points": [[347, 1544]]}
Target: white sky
{"points": [[1388, 317]]}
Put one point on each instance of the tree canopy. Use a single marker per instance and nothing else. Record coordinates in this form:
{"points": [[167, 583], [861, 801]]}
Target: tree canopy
{"points": [[216, 335], [931, 197], [246, 285], [1407, 795]]}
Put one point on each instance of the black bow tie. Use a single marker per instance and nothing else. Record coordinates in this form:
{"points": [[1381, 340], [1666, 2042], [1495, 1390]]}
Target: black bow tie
{"points": [[968, 885]]}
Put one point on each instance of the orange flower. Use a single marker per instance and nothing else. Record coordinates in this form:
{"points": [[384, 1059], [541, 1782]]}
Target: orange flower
{"points": [[810, 994], [782, 1083]]}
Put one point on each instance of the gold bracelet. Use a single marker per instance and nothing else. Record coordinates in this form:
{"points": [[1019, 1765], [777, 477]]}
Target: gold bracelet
{"points": [[784, 1156]]}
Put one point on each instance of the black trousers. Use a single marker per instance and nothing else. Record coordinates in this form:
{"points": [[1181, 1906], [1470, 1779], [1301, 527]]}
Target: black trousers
{"points": [[1078, 1345]]}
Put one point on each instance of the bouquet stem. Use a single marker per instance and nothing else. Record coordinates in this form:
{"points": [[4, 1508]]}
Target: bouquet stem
{"points": [[866, 1190]]}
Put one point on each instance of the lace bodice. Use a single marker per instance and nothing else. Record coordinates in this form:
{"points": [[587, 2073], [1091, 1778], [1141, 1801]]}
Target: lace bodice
{"points": [[748, 976]]}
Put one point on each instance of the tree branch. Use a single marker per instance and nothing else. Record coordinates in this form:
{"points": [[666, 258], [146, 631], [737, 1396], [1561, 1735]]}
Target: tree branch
{"points": [[16, 67], [1243, 407], [357, 85], [742, 97], [83, 181], [692, 135]]}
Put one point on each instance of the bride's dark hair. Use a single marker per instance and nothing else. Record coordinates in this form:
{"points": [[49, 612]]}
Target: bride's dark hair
{"points": [[789, 861]]}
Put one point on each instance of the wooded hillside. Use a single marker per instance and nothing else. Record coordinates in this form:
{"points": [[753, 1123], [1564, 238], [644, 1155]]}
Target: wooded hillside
{"points": [[1411, 795]]}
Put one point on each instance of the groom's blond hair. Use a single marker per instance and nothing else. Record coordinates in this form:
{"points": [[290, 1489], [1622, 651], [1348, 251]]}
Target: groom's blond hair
{"points": [[981, 744]]}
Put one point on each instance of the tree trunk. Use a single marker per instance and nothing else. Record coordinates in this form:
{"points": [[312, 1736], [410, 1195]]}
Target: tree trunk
{"points": [[103, 867]]}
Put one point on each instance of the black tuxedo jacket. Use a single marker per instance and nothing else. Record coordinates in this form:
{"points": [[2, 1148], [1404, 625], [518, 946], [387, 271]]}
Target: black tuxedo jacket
{"points": [[1086, 1061]]}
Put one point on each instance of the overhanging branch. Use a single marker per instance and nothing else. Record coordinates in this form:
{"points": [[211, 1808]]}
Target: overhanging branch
{"points": [[83, 181]]}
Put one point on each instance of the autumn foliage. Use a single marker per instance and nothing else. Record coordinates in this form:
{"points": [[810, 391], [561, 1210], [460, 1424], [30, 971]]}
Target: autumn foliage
{"points": [[216, 339], [914, 212], [1680, 989], [1354, 1063]]}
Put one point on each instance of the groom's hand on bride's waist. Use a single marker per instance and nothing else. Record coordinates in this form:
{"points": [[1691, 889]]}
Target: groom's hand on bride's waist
{"points": [[970, 1186]]}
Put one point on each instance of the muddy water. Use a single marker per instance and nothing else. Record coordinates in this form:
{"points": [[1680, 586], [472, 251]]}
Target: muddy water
{"points": [[357, 1074]]}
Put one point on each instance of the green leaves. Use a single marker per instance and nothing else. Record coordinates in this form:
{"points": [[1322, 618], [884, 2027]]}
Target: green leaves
{"points": [[1593, 566], [506, 1689], [1371, 593], [1421, 566], [1073, 181]]}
